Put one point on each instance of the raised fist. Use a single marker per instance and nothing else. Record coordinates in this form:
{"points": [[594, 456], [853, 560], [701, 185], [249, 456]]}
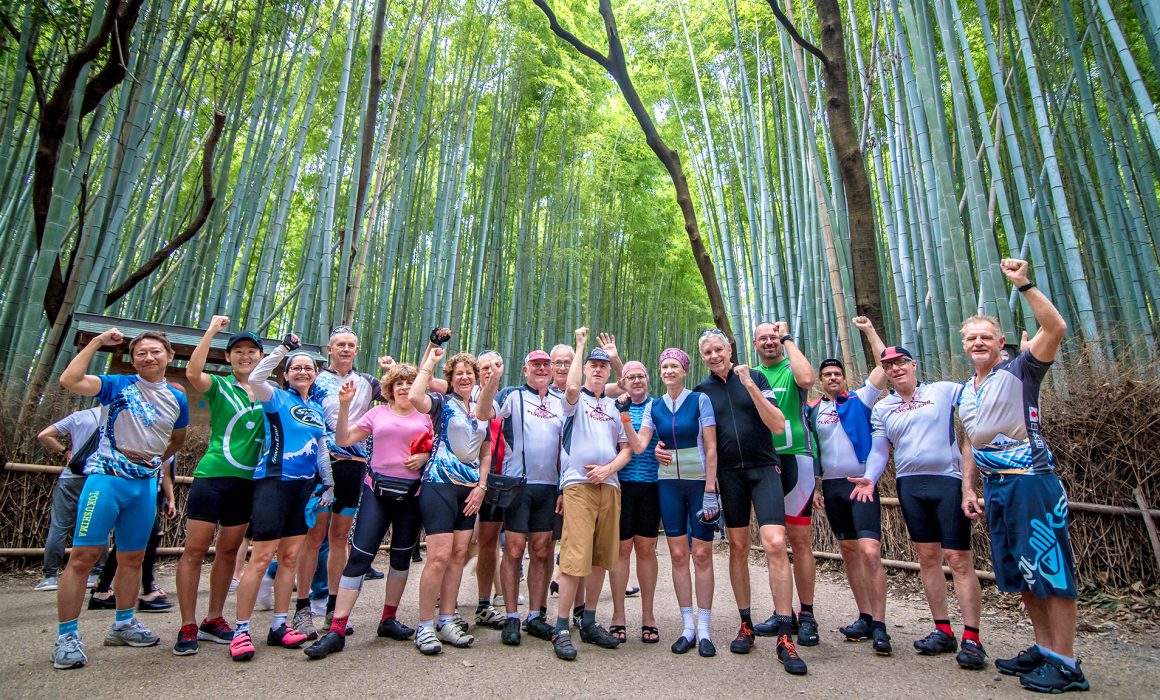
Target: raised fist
{"points": [[219, 323]]}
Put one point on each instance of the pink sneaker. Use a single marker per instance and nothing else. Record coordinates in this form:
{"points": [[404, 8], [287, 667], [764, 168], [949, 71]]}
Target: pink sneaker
{"points": [[241, 648], [286, 637]]}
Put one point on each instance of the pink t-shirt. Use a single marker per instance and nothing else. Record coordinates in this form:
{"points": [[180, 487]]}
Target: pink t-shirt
{"points": [[391, 436]]}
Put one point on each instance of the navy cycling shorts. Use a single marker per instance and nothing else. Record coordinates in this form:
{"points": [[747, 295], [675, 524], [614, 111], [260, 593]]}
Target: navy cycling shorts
{"points": [[932, 508], [1027, 517]]}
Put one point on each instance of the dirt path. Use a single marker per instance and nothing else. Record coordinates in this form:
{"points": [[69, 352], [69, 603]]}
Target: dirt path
{"points": [[1117, 664]]}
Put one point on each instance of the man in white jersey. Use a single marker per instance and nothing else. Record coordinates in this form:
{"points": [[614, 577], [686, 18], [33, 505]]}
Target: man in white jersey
{"points": [[917, 420]]}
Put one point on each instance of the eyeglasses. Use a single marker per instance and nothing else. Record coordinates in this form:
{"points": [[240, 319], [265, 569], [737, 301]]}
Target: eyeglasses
{"points": [[561, 363], [636, 378], [301, 369]]}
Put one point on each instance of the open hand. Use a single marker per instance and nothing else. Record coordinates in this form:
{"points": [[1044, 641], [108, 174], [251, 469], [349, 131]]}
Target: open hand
{"points": [[663, 456], [607, 341], [863, 489]]}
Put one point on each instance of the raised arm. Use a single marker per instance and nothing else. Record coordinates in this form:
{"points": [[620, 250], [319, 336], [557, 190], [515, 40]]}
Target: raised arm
{"points": [[770, 414], [877, 377], [345, 434], [75, 377], [438, 337], [576, 371], [485, 410], [607, 342], [418, 392], [1045, 345], [264, 390], [803, 372], [195, 370]]}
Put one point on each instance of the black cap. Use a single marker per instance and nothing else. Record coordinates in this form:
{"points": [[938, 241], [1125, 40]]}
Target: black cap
{"points": [[831, 362], [244, 335], [599, 355]]}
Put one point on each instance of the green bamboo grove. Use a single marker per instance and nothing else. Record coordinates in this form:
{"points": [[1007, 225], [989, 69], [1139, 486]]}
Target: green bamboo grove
{"points": [[401, 165]]}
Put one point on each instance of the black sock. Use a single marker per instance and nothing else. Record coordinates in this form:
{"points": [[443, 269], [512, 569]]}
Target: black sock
{"points": [[745, 618], [577, 611], [866, 617], [877, 625], [301, 603], [784, 624], [807, 610], [330, 602], [544, 612], [483, 603]]}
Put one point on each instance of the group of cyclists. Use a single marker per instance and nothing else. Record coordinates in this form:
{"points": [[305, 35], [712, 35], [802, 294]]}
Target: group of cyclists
{"points": [[581, 456]]}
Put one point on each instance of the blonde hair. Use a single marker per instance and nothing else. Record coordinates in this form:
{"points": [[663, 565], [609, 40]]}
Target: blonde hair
{"points": [[456, 360], [982, 318]]}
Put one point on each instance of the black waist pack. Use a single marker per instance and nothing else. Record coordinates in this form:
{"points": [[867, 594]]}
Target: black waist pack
{"points": [[503, 491], [393, 487]]}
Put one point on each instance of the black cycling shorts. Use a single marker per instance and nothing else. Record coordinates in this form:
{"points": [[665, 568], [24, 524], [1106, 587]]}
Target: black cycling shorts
{"points": [[442, 507], [280, 508], [640, 509], [932, 509], [535, 511], [756, 487], [221, 500], [348, 483], [376, 515], [851, 519]]}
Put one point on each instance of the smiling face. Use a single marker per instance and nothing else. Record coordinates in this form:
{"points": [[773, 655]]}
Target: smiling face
{"points": [[833, 381], [672, 373], [150, 358], [715, 354], [767, 343], [538, 374], [596, 375], [561, 360], [243, 356], [982, 341], [341, 350], [462, 379], [300, 373], [902, 373], [636, 383], [490, 364]]}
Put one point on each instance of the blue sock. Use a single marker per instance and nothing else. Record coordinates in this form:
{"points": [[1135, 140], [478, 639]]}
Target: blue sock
{"points": [[512, 616], [444, 619], [124, 618], [1067, 660], [70, 627], [533, 614]]}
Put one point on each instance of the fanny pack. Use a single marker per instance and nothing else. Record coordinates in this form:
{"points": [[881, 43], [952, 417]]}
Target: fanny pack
{"points": [[392, 487], [506, 491]]}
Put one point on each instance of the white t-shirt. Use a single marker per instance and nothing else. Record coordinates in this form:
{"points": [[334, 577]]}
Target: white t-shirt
{"points": [[592, 435], [837, 452], [79, 426], [922, 430], [532, 441]]}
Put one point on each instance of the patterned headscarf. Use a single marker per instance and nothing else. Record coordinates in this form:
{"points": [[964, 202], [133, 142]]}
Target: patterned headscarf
{"points": [[676, 354]]}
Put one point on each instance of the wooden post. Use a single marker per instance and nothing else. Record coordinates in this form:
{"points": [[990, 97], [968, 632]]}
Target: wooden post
{"points": [[1148, 524]]}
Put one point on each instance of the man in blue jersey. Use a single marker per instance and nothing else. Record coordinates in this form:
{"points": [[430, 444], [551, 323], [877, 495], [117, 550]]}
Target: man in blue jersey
{"points": [[143, 422], [1027, 513]]}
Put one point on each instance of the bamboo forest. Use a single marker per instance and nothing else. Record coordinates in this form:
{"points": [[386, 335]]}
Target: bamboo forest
{"points": [[514, 169]]}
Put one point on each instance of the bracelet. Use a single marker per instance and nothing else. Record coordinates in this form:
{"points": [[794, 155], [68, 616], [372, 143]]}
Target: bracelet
{"points": [[481, 486], [424, 369], [1026, 287], [786, 338], [626, 419]]}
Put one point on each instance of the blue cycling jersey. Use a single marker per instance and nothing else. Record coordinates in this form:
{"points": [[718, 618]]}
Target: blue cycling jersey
{"points": [[137, 418], [294, 433], [642, 468]]}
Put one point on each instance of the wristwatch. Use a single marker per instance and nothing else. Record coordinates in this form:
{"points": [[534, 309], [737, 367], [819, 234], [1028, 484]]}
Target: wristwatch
{"points": [[1026, 287], [786, 338]]}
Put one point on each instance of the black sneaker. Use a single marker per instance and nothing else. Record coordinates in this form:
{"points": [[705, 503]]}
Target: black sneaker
{"points": [[937, 642], [595, 634], [511, 632], [705, 648], [539, 628], [1051, 676], [971, 655], [881, 641], [562, 645], [373, 574], [1025, 661], [216, 630], [788, 656], [682, 645], [807, 633], [393, 629], [326, 645], [857, 631], [186, 644], [767, 628], [285, 637], [744, 640]]}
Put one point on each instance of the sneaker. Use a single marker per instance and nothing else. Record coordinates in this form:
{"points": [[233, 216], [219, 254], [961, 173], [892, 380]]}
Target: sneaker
{"points": [[393, 629], [497, 601], [241, 648], [788, 657], [562, 645], [186, 644], [881, 641], [767, 628], [807, 633], [373, 574], [971, 655], [426, 641], [1052, 676], [631, 592], [216, 630], [266, 593], [539, 628], [744, 641], [327, 645], [107, 603], [48, 583], [234, 583], [135, 635], [595, 634], [92, 581], [303, 621], [857, 631], [159, 604], [459, 622], [706, 648], [937, 642], [489, 617], [454, 635], [285, 637], [511, 632], [68, 652], [1025, 661]]}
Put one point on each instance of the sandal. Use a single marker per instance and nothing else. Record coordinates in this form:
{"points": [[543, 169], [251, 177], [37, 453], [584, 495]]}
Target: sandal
{"points": [[649, 634], [619, 632]]}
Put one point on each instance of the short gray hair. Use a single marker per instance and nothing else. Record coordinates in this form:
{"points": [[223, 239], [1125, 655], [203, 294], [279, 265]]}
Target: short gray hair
{"points": [[710, 335], [561, 346]]}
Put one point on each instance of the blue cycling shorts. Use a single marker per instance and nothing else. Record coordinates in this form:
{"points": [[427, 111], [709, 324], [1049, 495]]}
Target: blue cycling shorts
{"points": [[1027, 519], [128, 507], [680, 500]]}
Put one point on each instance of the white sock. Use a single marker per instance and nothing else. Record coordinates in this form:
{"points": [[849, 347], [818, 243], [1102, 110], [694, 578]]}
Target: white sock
{"points": [[703, 619], [690, 628], [277, 620]]}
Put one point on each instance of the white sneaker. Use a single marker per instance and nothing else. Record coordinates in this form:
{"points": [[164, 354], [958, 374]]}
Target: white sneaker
{"points": [[453, 635], [234, 585], [426, 642], [266, 594], [68, 652], [48, 583]]}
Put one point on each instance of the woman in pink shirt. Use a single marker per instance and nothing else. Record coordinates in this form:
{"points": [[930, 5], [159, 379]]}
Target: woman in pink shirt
{"points": [[401, 439]]}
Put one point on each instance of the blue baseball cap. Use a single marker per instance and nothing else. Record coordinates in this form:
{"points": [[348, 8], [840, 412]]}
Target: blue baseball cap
{"points": [[244, 335], [599, 355]]}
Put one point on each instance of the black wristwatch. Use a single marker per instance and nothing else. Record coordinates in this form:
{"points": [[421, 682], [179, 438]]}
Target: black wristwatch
{"points": [[1026, 287], [786, 338]]}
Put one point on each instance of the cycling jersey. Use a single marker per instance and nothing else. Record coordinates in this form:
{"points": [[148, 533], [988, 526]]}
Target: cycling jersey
{"points": [[532, 441], [366, 390], [1001, 418], [592, 435], [237, 431], [642, 467], [295, 437], [842, 426], [922, 430], [679, 424], [742, 437], [137, 419], [460, 436], [391, 437], [791, 399]]}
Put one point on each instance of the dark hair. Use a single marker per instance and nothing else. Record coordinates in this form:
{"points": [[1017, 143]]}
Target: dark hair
{"points": [[159, 336], [401, 372]]}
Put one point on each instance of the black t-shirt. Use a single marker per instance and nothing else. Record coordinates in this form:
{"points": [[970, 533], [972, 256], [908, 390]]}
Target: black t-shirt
{"points": [[743, 440]]}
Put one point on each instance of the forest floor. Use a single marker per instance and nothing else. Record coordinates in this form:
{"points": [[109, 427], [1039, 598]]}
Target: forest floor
{"points": [[1120, 654]]}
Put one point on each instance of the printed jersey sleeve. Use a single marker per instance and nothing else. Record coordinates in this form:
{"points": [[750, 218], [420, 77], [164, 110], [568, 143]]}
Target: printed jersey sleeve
{"points": [[953, 391], [112, 384], [214, 387], [376, 388], [502, 404], [705, 414], [276, 400], [182, 409], [436, 404], [569, 409], [868, 394], [1027, 367]]}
